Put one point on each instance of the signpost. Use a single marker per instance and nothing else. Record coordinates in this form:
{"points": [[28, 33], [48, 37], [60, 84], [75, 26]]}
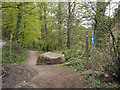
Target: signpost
{"points": [[10, 45], [92, 56]]}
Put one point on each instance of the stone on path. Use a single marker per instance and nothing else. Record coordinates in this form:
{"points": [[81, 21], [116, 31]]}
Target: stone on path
{"points": [[50, 58]]}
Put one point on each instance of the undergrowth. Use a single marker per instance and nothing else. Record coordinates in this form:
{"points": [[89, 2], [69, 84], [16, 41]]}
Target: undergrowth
{"points": [[18, 53], [80, 63]]}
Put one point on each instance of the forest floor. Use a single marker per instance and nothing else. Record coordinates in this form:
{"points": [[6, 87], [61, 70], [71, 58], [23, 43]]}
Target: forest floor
{"points": [[30, 75]]}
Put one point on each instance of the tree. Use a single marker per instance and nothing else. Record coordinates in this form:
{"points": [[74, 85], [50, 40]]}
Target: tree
{"points": [[69, 21]]}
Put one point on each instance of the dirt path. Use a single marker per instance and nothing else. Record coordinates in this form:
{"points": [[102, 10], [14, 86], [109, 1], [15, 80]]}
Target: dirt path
{"points": [[30, 75]]}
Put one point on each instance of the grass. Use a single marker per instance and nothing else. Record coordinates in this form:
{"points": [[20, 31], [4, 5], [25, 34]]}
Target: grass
{"points": [[18, 54]]}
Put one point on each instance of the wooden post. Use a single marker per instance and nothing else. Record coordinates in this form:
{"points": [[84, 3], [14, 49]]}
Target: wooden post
{"points": [[10, 45]]}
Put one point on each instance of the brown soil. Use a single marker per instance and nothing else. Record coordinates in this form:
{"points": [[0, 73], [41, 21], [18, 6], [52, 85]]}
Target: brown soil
{"points": [[30, 75]]}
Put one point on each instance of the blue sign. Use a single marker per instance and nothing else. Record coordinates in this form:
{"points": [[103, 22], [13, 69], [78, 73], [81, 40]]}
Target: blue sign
{"points": [[92, 30], [92, 37], [92, 40]]}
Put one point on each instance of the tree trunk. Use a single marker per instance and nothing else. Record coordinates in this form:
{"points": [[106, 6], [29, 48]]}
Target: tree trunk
{"points": [[68, 26], [118, 58], [45, 22], [18, 25], [59, 24], [18, 21], [87, 50]]}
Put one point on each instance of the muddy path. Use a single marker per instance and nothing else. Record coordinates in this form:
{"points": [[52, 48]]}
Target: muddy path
{"points": [[30, 75]]}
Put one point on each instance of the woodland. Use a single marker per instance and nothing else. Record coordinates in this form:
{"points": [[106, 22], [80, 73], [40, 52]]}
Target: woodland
{"points": [[65, 27]]}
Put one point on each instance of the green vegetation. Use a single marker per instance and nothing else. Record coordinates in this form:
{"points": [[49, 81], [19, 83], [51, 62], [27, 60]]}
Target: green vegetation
{"points": [[19, 54], [104, 85], [58, 27]]}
